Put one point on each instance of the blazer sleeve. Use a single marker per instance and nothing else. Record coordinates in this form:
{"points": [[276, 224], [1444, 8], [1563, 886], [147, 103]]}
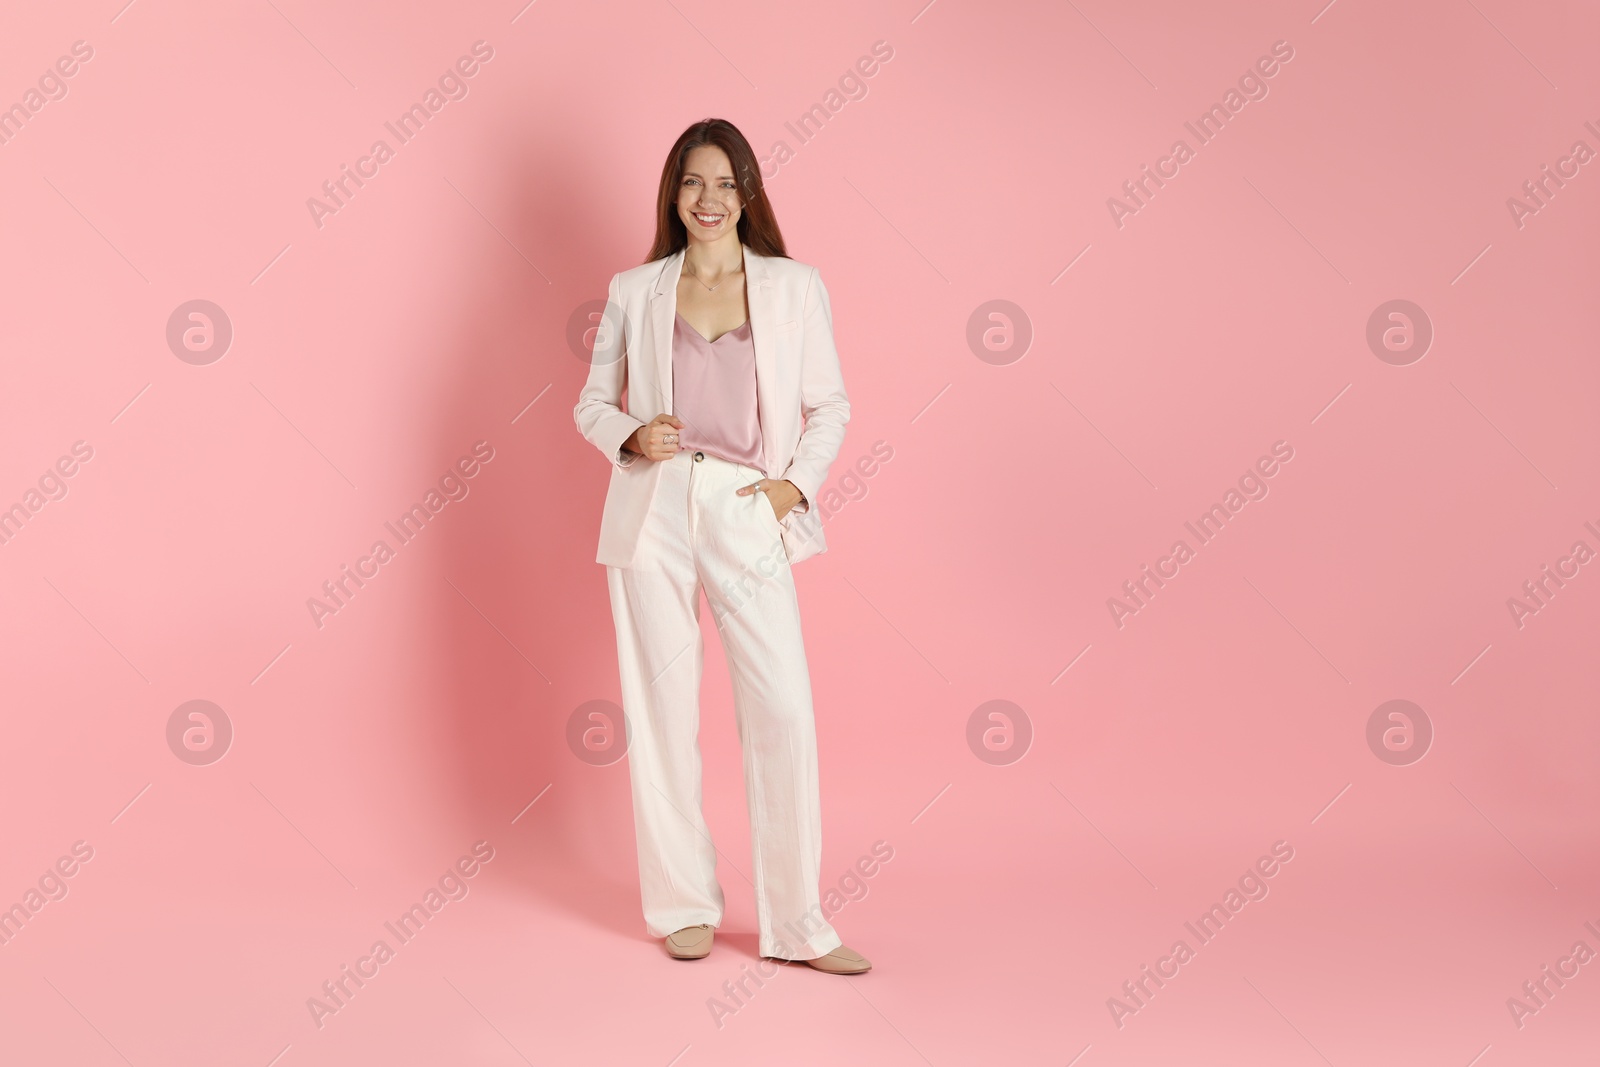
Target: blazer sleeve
{"points": [[822, 398], [598, 414]]}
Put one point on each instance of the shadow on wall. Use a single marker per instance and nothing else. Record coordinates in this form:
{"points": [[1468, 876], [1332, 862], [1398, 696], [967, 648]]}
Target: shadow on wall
{"points": [[536, 639]]}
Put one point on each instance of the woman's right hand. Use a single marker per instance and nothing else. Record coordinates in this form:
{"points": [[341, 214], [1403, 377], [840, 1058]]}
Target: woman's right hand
{"points": [[652, 439]]}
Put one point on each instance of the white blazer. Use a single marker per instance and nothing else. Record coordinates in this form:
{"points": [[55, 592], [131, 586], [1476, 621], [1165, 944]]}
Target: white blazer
{"points": [[797, 374]]}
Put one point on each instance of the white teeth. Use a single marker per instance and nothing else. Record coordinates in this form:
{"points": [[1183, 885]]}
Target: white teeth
{"points": [[707, 218]]}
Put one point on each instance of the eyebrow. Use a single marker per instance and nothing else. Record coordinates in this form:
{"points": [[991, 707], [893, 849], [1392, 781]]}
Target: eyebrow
{"points": [[697, 174]]}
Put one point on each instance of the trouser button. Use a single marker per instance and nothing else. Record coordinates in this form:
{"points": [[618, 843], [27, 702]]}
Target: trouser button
{"points": [[698, 456]]}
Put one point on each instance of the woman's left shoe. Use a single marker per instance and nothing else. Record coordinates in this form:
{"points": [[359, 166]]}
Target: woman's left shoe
{"points": [[842, 960]]}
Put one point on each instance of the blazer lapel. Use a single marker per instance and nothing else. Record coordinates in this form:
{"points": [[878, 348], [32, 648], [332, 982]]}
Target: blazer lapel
{"points": [[763, 335], [663, 311]]}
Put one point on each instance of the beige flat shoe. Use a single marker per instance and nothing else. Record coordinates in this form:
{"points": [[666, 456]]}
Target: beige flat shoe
{"points": [[690, 943], [842, 960]]}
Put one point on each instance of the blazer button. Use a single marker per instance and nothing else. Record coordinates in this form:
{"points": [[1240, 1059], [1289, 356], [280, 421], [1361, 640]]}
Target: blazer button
{"points": [[698, 456]]}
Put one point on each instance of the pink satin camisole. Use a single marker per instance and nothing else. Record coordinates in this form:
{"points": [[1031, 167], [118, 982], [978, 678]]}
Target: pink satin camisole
{"points": [[714, 393]]}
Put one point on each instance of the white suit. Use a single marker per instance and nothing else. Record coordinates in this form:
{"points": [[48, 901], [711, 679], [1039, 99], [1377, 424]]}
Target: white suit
{"points": [[797, 373], [674, 528]]}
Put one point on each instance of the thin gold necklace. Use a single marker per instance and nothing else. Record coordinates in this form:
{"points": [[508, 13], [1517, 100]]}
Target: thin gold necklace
{"points": [[714, 288]]}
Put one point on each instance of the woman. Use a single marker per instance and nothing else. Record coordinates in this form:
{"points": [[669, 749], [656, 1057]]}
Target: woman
{"points": [[723, 343]]}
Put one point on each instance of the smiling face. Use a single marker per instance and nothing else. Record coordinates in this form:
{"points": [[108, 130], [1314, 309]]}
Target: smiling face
{"points": [[708, 197]]}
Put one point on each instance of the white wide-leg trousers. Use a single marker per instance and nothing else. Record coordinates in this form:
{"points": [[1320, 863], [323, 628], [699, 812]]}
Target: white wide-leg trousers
{"points": [[699, 534]]}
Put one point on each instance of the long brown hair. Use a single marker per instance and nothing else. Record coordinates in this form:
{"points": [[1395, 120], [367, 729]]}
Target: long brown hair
{"points": [[757, 225]]}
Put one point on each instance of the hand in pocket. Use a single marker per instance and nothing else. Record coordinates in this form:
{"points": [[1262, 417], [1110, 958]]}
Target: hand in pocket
{"points": [[782, 495]]}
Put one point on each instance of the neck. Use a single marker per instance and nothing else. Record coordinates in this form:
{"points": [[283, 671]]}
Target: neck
{"points": [[724, 256]]}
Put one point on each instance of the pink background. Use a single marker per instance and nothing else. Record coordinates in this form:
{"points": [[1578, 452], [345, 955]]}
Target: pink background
{"points": [[432, 712]]}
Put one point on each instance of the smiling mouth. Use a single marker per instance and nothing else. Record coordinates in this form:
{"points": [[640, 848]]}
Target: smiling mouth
{"points": [[709, 220]]}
